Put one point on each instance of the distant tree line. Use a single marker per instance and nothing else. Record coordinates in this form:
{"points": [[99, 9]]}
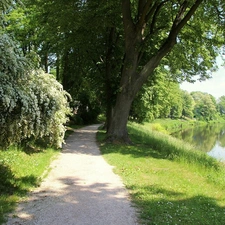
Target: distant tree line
{"points": [[165, 99]]}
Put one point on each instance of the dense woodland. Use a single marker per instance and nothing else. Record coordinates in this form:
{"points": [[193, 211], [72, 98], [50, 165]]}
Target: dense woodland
{"points": [[124, 59]]}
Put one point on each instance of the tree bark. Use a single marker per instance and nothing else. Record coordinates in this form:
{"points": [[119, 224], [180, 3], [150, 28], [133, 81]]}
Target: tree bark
{"points": [[58, 68], [108, 74], [46, 62], [117, 131]]}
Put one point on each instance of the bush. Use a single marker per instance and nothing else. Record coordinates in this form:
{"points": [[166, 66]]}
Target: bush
{"points": [[33, 109], [33, 105], [158, 127]]}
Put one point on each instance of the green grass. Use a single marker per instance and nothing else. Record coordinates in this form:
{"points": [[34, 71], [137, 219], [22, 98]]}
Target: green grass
{"points": [[21, 170], [169, 182], [170, 126]]}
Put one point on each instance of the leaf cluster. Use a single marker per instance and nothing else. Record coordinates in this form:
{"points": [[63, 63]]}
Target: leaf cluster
{"points": [[33, 105], [34, 110]]}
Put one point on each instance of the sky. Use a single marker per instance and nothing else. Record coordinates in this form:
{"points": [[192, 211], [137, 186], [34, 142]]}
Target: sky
{"points": [[214, 86]]}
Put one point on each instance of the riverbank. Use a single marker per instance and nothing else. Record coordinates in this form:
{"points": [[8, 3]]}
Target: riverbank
{"points": [[169, 126], [168, 181]]}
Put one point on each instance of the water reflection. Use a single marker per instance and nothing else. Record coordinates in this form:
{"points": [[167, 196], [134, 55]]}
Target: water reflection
{"points": [[209, 138]]}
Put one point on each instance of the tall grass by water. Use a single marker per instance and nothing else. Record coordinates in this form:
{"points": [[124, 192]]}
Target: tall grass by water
{"points": [[169, 181], [170, 126]]}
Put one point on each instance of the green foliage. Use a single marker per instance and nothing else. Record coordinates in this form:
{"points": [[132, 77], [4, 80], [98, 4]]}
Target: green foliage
{"points": [[221, 105], [176, 101], [171, 125], [13, 65], [33, 104], [87, 53], [75, 51], [205, 106], [158, 127], [31, 109], [187, 105], [161, 97], [86, 110], [6, 5]]}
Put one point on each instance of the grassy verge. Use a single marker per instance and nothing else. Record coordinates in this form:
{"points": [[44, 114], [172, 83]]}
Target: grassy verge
{"points": [[169, 181], [170, 126], [20, 171]]}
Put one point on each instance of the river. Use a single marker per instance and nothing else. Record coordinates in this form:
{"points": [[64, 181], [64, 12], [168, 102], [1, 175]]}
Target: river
{"points": [[209, 138]]}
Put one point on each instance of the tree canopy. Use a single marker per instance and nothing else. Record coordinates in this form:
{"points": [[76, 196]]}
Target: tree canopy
{"points": [[221, 105], [115, 48]]}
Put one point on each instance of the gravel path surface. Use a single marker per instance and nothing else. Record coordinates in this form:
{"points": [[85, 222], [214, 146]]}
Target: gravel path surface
{"points": [[81, 189]]}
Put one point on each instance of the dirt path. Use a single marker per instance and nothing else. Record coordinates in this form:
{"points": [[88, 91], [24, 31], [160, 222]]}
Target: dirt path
{"points": [[81, 189]]}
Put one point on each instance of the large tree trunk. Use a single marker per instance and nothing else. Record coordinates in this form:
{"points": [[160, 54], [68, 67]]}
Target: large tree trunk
{"points": [[131, 83], [111, 42], [132, 77], [117, 129]]}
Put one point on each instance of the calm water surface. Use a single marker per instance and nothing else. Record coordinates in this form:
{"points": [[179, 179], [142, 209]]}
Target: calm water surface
{"points": [[209, 138]]}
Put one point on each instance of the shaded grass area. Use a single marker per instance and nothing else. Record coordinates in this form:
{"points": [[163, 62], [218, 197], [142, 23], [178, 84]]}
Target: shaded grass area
{"points": [[21, 170], [169, 182]]}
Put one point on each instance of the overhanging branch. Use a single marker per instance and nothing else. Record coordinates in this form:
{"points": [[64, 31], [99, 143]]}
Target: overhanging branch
{"points": [[179, 22]]}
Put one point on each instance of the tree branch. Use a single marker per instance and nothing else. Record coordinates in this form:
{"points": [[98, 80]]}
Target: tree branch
{"points": [[143, 9], [127, 18], [179, 23], [141, 4], [157, 8]]}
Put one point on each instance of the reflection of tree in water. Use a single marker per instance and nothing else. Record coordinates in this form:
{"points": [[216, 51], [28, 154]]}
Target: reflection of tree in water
{"points": [[221, 137], [203, 137]]}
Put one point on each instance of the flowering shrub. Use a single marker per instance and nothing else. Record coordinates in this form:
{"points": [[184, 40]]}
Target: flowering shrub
{"points": [[33, 105]]}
